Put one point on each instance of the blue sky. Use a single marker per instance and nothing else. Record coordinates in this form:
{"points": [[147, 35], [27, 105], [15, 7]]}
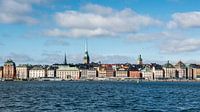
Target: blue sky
{"points": [[41, 31]]}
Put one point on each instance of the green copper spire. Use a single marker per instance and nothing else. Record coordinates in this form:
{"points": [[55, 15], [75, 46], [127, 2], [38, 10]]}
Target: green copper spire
{"points": [[86, 59]]}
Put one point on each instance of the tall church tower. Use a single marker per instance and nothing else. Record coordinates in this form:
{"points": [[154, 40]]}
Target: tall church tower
{"points": [[86, 58], [65, 60], [139, 60]]}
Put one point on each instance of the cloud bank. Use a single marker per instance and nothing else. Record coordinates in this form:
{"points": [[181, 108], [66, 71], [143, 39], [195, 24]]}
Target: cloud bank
{"points": [[99, 21]]}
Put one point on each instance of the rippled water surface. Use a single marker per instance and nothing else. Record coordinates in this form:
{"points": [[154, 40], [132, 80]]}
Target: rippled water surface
{"points": [[99, 96]]}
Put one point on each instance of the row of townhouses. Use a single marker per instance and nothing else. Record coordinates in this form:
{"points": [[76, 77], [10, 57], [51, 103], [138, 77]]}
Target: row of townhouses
{"points": [[92, 70], [88, 70]]}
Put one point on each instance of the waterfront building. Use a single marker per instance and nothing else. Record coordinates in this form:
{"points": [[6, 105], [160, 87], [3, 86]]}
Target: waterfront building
{"points": [[9, 70], [147, 73], [67, 72], [135, 73], [169, 71], [51, 71], [86, 58], [1, 72], [139, 60], [121, 72], [191, 68], [105, 71], [158, 72], [22, 71], [181, 70], [37, 71], [194, 71], [88, 73]]}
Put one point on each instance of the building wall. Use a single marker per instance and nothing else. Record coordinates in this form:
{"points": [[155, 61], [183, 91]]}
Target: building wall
{"points": [[1, 72], [9, 72], [147, 75], [121, 73], [34, 74], [22, 72], [109, 73], [182, 73], [50, 73], [196, 73], [68, 74], [190, 73], [91, 74], [102, 73], [83, 74], [88, 74], [135, 74], [169, 73], [158, 74]]}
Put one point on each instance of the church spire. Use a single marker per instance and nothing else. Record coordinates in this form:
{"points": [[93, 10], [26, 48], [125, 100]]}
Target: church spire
{"points": [[65, 60], [86, 59], [139, 60], [86, 46]]}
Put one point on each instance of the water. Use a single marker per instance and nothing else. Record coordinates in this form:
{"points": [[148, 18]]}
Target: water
{"points": [[99, 96]]}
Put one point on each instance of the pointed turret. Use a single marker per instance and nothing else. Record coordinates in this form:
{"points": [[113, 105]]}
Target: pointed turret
{"points": [[86, 59], [139, 60], [65, 60]]}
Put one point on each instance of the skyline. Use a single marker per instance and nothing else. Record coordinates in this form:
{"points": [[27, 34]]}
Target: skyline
{"points": [[41, 31]]}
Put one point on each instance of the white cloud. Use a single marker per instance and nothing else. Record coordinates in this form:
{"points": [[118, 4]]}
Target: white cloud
{"points": [[17, 11], [180, 45], [76, 33], [97, 9], [143, 37], [185, 20], [96, 20], [56, 43]]}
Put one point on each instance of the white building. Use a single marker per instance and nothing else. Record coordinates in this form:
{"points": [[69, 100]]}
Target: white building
{"points": [[147, 73], [158, 72], [88, 73], [22, 71], [121, 72], [169, 71], [37, 72], [66, 72], [51, 72], [181, 70]]}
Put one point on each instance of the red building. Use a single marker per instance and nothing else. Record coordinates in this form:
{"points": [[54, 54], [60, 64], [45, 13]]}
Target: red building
{"points": [[105, 70], [135, 74], [9, 70]]}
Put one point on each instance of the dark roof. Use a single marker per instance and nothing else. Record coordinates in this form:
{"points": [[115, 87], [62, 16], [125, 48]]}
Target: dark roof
{"points": [[180, 64], [10, 62], [168, 65], [194, 66]]}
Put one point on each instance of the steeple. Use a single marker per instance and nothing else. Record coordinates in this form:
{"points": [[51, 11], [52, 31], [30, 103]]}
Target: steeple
{"points": [[86, 59], [139, 60], [65, 60], [86, 46]]}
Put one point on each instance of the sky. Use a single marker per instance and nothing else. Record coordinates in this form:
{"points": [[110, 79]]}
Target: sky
{"points": [[117, 31]]}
